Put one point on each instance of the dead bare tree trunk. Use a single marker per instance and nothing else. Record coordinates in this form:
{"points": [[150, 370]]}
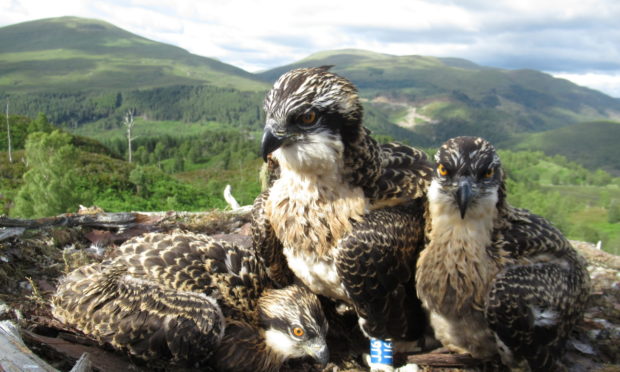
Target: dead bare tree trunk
{"points": [[8, 133], [129, 123]]}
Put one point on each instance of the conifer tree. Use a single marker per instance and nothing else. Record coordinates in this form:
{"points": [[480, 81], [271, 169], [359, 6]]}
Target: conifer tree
{"points": [[50, 185]]}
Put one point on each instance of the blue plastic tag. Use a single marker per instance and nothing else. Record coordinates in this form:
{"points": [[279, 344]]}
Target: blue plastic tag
{"points": [[380, 352]]}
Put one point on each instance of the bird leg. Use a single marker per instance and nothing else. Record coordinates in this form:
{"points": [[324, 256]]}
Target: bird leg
{"points": [[381, 355]]}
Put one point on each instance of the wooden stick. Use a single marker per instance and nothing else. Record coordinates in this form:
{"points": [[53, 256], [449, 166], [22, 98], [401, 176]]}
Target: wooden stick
{"points": [[14, 355], [92, 220], [444, 360]]}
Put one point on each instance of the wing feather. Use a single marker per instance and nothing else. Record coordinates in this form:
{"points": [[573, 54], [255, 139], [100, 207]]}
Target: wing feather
{"points": [[143, 318], [267, 245], [531, 309], [376, 263], [389, 172], [198, 263], [533, 305], [165, 297]]}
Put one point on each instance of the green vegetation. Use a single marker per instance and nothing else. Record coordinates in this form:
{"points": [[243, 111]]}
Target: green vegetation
{"points": [[581, 203], [105, 110], [69, 53], [58, 171], [188, 171], [593, 144], [50, 183]]}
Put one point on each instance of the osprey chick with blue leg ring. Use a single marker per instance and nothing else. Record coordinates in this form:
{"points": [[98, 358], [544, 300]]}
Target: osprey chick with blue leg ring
{"points": [[345, 215]]}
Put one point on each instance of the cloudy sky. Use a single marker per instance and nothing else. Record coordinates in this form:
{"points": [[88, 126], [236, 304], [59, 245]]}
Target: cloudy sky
{"points": [[575, 39]]}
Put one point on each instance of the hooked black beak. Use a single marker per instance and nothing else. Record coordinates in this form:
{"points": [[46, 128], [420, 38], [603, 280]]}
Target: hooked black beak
{"points": [[463, 195], [270, 143], [322, 355]]}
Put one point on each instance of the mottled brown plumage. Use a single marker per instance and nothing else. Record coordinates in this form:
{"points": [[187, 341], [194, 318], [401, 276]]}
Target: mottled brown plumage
{"points": [[345, 214], [187, 300], [496, 279]]}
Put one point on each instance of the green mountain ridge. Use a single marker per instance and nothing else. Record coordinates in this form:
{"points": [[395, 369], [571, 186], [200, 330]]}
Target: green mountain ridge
{"points": [[71, 53], [85, 72], [530, 100]]}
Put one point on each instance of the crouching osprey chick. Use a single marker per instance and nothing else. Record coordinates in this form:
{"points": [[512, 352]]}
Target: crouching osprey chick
{"points": [[190, 301], [495, 279]]}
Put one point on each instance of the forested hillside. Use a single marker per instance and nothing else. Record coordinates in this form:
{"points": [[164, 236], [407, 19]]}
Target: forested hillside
{"points": [[594, 144], [54, 172], [103, 110]]}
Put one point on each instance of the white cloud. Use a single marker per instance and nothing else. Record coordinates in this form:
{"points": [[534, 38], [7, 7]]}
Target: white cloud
{"points": [[13, 11], [606, 83]]}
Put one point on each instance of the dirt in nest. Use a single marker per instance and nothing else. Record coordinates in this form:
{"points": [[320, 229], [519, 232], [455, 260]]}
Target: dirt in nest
{"points": [[31, 263]]}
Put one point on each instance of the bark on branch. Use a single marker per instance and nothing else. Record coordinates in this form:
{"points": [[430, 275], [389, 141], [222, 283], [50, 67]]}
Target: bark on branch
{"points": [[443, 360], [102, 220]]}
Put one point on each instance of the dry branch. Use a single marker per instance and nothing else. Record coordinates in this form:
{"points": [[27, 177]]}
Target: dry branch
{"points": [[98, 358], [444, 360], [14, 355], [70, 220]]}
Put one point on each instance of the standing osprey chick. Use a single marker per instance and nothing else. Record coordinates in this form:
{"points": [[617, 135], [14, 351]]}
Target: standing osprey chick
{"points": [[496, 279], [188, 300], [345, 215]]}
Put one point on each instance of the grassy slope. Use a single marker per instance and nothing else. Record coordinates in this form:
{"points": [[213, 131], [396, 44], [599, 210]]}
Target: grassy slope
{"points": [[149, 128], [431, 75], [534, 100], [592, 144], [76, 54]]}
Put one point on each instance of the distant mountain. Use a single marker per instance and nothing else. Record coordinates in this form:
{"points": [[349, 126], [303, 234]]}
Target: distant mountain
{"points": [[442, 97], [70, 53]]}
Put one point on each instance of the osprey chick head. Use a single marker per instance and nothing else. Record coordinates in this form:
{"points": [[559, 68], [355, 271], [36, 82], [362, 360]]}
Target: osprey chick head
{"points": [[309, 112], [294, 323], [468, 175]]}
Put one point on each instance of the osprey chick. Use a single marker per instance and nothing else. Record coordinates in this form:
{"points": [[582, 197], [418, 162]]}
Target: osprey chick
{"points": [[345, 215], [191, 301], [496, 279]]}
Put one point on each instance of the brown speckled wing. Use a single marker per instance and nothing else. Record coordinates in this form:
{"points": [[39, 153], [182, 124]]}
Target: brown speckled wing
{"points": [[268, 247], [522, 294], [197, 263], [165, 297], [553, 289], [523, 234], [377, 262], [406, 172], [387, 172], [140, 317], [241, 350], [395, 173]]}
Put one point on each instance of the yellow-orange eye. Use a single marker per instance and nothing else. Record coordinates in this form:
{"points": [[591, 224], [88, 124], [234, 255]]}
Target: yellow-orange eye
{"points": [[489, 173], [442, 170], [309, 117], [298, 331]]}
